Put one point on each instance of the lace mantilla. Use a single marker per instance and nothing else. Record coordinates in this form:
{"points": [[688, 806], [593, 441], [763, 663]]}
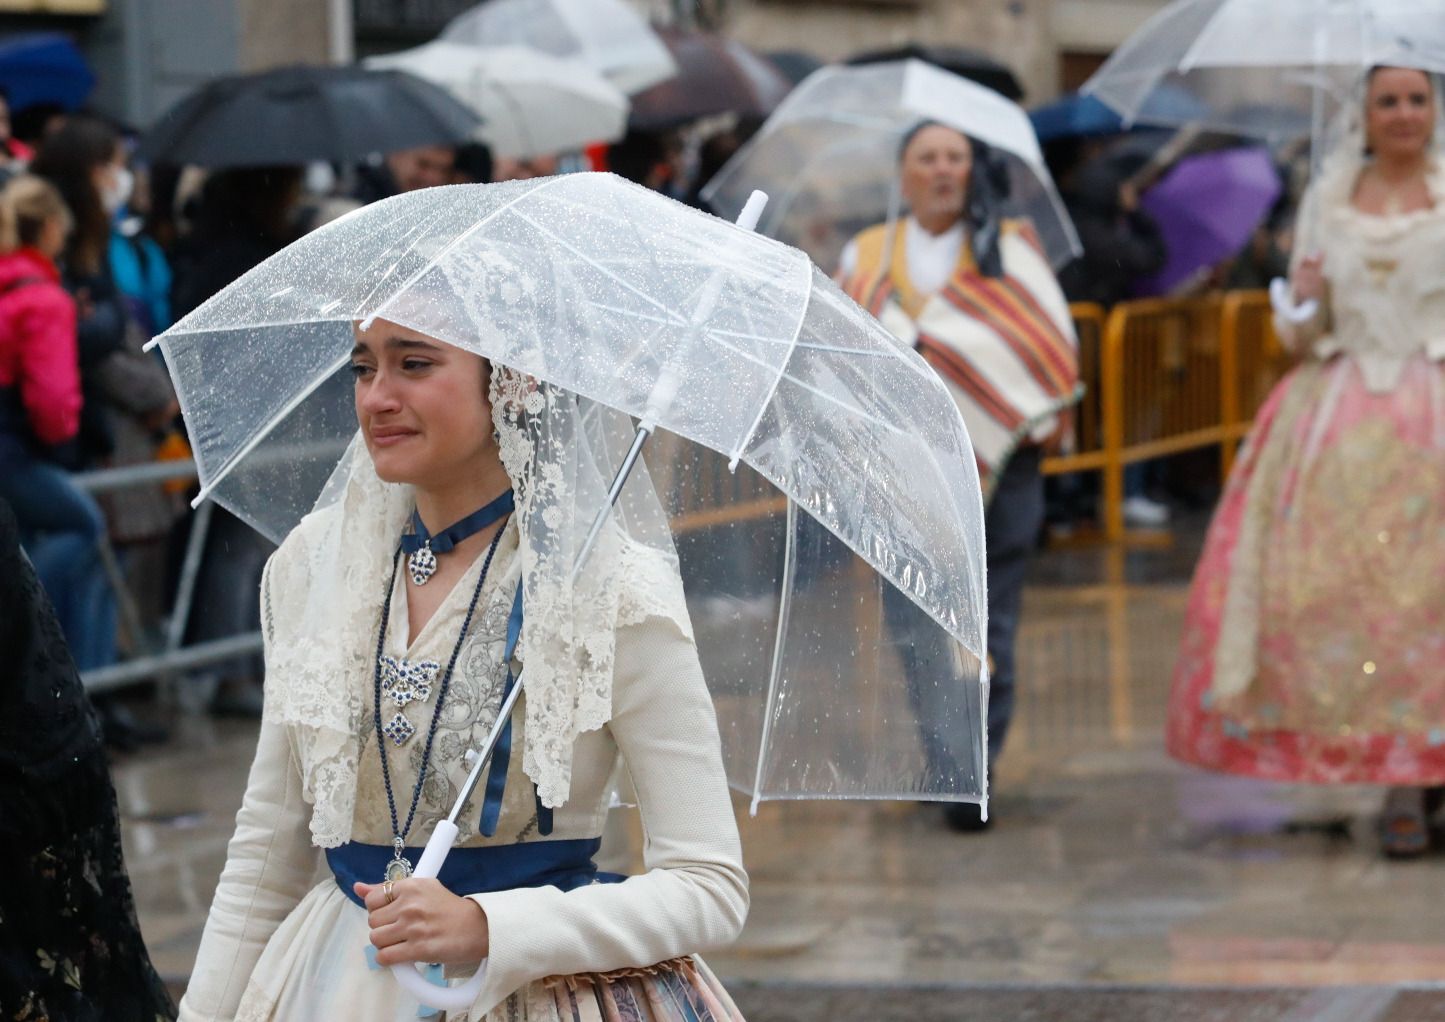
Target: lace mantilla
{"points": [[323, 590], [568, 639]]}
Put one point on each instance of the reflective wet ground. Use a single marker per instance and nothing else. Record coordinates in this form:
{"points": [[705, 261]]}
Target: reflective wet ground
{"points": [[1115, 885]]}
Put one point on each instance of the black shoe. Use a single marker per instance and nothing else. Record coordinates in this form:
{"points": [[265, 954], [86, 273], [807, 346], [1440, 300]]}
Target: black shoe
{"points": [[966, 817]]}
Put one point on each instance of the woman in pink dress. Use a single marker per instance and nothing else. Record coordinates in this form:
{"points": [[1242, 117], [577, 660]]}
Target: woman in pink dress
{"points": [[1313, 648]]}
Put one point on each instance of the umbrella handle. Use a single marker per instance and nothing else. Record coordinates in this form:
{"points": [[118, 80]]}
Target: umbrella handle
{"points": [[411, 978], [1284, 305]]}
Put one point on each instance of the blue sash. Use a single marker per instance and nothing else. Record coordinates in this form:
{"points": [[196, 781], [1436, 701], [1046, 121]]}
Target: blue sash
{"points": [[562, 864]]}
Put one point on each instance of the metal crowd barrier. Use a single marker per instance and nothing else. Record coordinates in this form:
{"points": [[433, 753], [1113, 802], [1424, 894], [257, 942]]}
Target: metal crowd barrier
{"points": [[164, 660], [1166, 375]]}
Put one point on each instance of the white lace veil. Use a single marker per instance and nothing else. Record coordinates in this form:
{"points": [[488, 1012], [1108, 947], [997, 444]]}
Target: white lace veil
{"points": [[560, 452]]}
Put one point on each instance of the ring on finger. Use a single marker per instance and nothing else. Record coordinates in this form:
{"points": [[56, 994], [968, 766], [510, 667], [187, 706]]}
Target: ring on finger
{"points": [[389, 889]]}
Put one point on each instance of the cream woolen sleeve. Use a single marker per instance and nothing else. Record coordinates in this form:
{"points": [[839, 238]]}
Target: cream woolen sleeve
{"points": [[694, 895], [270, 865]]}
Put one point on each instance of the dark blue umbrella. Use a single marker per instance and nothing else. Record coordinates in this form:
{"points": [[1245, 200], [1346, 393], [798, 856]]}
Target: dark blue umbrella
{"points": [[44, 67], [1076, 114]]}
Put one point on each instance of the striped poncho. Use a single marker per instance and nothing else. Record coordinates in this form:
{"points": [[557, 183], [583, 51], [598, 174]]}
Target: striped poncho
{"points": [[1004, 346]]}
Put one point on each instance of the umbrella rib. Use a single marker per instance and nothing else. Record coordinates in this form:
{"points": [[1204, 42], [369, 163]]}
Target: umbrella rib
{"points": [[434, 260], [785, 610], [676, 319], [781, 372]]}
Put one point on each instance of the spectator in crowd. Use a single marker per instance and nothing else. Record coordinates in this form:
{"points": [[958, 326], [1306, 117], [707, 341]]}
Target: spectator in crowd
{"points": [[128, 403], [474, 165], [85, 160], [405, 171], [243, 217], [511, 168], [956, 240], [1121, 244], [142, 271], [40, 406]]}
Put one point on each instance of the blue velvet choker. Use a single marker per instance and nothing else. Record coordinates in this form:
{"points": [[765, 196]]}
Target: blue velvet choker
{"points": [[421, 547]]}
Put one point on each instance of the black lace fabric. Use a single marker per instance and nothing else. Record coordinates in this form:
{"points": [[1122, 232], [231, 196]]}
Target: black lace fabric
{"points": [[70, 947]]}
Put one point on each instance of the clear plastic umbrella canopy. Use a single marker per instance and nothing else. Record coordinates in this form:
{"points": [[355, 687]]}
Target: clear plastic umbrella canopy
{"points": [[828, 155], [1265, 68], [531, 103], [853, 471], [607, 35]]}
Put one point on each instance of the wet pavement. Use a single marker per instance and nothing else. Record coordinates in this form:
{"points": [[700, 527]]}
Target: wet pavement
{"points": [[1114, 884]]}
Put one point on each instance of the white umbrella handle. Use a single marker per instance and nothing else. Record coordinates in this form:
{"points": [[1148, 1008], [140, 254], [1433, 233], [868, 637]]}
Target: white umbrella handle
{"points": [[411, 976]]}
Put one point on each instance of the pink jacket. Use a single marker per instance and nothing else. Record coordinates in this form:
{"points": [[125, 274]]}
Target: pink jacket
{"points": [[38, 344]]}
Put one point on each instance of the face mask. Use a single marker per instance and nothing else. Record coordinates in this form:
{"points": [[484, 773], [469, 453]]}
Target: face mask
{"points": [[118, 194]]}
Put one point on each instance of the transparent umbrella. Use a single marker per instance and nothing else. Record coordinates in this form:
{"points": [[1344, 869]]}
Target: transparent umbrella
{"points": [[607, 35], [531, 103], [603, 289], [744, 356], [828, 156], [1264, 69]]}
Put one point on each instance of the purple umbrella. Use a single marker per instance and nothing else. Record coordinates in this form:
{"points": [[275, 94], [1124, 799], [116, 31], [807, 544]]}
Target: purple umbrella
{"points": [[1207, 207]]}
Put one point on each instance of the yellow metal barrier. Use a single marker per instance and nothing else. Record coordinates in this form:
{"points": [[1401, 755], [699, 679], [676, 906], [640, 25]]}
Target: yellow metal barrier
{"points": [[1179, 375], [1086, 454]]}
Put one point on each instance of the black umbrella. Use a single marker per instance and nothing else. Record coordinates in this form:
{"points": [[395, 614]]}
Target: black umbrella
{"points": [[299, 114], [963, 62]]}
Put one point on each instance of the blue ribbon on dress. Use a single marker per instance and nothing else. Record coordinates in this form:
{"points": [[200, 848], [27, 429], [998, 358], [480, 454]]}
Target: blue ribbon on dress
{"points": [[453, 534], [565, 864], [502, 755]]}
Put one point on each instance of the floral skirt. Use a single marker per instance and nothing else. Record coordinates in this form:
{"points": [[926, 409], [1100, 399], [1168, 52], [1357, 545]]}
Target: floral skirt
{"points": [[1314, 643]]}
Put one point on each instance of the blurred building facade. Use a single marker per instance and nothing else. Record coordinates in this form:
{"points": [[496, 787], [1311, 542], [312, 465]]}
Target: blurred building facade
{"points": [[148, 53]]}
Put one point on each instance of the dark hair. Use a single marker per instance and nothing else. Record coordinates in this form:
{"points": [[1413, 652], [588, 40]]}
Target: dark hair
{"points": [[474, 163], [67, 159], [983, 203], [252, 202]]}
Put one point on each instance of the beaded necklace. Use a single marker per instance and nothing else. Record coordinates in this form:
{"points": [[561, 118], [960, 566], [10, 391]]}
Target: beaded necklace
{"points": [[399, 868]]}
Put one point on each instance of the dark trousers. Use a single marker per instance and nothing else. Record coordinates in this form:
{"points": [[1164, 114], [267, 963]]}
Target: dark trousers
{"points": [[1011, 526]]}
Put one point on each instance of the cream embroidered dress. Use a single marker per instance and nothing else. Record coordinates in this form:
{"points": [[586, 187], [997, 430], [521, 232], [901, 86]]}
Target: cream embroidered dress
{"points": [[1314, 648], [283, 942]]}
